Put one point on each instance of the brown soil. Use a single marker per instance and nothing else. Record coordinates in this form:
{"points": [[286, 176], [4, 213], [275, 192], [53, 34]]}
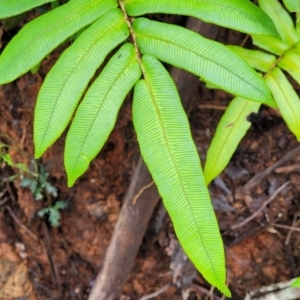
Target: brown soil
{"points": [[62, 263]]}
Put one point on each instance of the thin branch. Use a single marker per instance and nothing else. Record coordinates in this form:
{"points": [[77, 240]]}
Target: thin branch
{"points": [[286, 227], [20, 223], [157, 293], [254, 215], [141, 191]]}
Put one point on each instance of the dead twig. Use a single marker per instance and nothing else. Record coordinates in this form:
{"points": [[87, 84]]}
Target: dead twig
{"points": [[254, 215], [294, 224], [47, 244], [141, 191], [286, 227], [12, 214], [204, 291], [255, 180], [157, 293], [4, 201], [288, 169]]}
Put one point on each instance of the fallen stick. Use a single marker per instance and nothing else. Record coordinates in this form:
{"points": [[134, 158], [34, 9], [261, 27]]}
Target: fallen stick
{"points": [[257, 179], [134, 218]]}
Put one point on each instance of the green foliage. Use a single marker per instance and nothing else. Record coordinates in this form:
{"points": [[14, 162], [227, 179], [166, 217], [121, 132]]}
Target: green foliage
{"points": [[9, 8], [39, 185], [160, 122], [292, 5], [296, 283], [53, 212], [284, 56]]}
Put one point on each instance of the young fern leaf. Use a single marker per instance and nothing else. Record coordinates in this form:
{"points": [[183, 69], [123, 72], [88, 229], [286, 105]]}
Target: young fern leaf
{"points": [[290, 63], [282, 20], [231, 129], [39, 37], [97, 113], [292, 5], [67, 80], [202, 57], [257, 59], [270, 44], [169, 151], [9, 8], [235, 14], [287, 99]]}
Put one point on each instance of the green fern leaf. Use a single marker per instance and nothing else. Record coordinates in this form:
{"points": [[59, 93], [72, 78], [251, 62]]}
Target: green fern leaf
{"points": [[168, 150], [287, 99], [292, 5], [235, 14], [270, 44], [9, 8], [39, 37], [96, 115], [67, 80], [231, 129], [256, 59], [290, 63], [205, 58], [282, 20]]}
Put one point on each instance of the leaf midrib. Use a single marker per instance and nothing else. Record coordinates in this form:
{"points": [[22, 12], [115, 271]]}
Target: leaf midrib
{"points": [[216, 3], [64, 20], [227, 136], [273, 76], [161, 123], [204, 58], [103, 102], [71, 72]]}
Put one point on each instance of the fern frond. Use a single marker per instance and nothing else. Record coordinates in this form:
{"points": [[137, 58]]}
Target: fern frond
{"points": [[67, 80], [270, 44], [286, 98], [257, 59], [168, 150], [282, 20], [290, 63], [235, 14], [207, 59], [230, 130], [39, 37], [97, 113], [9, 8], [292, 5]]}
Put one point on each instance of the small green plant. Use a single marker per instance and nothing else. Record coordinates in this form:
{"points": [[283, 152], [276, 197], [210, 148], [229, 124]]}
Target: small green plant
{"points": [[281, 54], [39, 184], [53, 212], [160, 122], [40, 189]]}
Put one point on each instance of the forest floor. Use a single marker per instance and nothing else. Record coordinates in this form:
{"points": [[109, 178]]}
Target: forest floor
{"points": [[38, 261]]}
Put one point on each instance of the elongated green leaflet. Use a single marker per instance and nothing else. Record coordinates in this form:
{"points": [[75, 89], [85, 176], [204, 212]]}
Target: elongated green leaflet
{"points": [[67, 80], [287, 99], [39, 37], [270, 44], [292, 5], [256, 59], [97, 113], [235, 14], [231, 129], [9, 8], [168, 150], [282, 20], [290, 63], [203, 57]]}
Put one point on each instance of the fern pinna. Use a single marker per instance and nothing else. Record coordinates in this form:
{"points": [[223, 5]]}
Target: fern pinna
{"points": [[160, 122], [282, 54]]}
